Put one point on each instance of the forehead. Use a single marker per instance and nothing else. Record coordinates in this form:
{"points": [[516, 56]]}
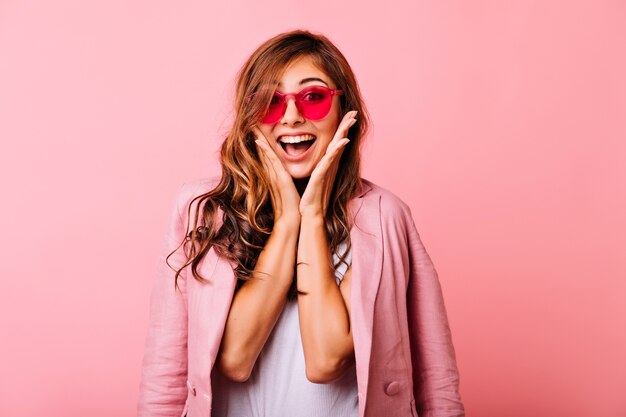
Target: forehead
{"points": [[300, 73]]}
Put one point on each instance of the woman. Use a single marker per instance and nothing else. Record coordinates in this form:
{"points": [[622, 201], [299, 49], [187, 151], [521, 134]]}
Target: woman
{"points": [[296, 287]]}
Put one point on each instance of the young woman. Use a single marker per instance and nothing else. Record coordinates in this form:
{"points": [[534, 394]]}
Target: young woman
{"points": [[295, 287]]}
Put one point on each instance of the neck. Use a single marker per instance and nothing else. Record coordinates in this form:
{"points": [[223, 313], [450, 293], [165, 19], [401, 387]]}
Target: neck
{"points": [[301, 184]]}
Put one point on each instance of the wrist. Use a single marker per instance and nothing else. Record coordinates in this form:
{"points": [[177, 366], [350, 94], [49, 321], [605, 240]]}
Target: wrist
{"points": [[287, 222], [313, 218]]}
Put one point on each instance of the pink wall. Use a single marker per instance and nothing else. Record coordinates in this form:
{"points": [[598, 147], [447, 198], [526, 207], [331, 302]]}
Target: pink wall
{"points": [[502, 124]]}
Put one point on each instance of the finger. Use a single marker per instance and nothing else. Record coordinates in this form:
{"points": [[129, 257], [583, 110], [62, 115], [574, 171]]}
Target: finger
{"points": [[262, 141], [332, 156], [263, 157], [342, 128], [257, 132], [269, 152], [266, 159], [279, 177], [335, 151], [348, 121], [322, 178], [271, 173]]}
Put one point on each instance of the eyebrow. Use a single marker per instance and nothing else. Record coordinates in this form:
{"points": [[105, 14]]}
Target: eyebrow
{"points": [[308, 80]]}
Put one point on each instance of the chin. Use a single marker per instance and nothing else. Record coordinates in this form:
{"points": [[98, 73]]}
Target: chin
{"points": [[299, 174], [299, 171]]}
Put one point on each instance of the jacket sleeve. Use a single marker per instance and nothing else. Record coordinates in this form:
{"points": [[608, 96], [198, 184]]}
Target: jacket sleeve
{"points": [[435, 373], [162, 390]]}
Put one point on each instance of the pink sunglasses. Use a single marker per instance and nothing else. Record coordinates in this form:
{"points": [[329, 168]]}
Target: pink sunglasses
{"points": [[312, 102]]}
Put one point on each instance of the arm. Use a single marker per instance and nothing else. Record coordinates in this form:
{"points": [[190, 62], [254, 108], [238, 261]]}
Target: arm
{"points": [[324, 346], [435, 373], [324, 308], [324, 315], [163, 391], [258, 303]]}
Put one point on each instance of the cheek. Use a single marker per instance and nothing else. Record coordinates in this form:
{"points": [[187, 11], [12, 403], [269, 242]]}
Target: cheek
{"points": [[269, 135], [330, 129]]}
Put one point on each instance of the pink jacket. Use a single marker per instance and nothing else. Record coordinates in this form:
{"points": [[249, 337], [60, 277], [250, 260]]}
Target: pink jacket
{"points": [[405, 359]]}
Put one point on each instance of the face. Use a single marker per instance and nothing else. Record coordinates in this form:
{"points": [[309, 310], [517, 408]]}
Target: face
{"points": [[300, 158]]}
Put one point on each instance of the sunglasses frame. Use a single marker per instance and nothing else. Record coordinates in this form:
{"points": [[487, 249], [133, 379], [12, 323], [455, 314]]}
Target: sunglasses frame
{"points": [[298, 98]]}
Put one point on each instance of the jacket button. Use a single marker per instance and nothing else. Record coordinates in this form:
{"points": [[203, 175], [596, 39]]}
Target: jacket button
{"points": [[392, 388], [191, 387]]}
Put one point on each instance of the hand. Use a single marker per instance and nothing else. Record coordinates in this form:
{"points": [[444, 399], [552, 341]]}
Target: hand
{"points": [[316, 197], [285, 197]]}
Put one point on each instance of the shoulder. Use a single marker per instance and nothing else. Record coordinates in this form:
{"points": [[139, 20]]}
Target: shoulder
{"points": [[189, 190], [392, 207], [198, 186]]}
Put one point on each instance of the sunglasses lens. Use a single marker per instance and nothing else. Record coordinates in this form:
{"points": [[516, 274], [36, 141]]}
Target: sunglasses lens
{"points": [[316, 102], [275, 110], [313, 102]]}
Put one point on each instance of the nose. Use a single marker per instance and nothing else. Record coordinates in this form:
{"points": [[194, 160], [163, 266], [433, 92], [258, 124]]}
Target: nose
{"points": [[292, 114]]}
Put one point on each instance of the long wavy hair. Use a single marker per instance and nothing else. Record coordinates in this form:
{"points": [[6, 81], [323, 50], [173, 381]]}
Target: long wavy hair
{"points": [[243, 193]]}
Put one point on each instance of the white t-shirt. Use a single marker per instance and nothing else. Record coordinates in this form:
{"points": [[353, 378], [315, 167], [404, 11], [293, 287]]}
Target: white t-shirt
{"points": [[278, 385]]}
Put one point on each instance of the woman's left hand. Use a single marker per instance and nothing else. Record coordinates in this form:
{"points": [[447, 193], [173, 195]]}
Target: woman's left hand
{"points": [[316, 197]]}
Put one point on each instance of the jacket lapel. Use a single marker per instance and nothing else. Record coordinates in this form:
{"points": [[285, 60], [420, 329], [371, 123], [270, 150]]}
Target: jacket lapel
{"points": [[367, 257]]}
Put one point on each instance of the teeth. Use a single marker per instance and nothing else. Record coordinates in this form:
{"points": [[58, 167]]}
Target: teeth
{"points": [[296, 139]]}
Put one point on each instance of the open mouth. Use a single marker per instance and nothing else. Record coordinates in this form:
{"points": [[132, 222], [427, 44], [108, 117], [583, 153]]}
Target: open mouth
{"points": [[296, 145]]}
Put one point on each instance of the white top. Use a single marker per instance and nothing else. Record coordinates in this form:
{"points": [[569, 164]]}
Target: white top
{"points": [[278, 385]]}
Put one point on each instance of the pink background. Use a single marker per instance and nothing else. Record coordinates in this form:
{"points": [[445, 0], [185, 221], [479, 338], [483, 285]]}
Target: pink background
{"points": [[502, 124]]}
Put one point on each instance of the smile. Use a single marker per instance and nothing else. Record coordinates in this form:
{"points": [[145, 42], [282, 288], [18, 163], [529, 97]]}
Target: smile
{"points": [[296, 147]]}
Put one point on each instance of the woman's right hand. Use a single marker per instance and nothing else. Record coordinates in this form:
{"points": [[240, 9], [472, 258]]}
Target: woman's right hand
{"points": [[257, 304], [285, 197]]}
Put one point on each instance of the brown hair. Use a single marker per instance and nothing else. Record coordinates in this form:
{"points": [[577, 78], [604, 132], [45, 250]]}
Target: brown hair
{"points": [[243, 191]]}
